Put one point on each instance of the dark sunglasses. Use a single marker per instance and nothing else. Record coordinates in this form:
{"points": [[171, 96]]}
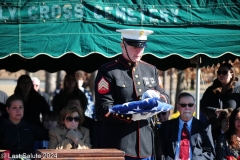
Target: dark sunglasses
{"points": [[70, 119], [222, 72], [185, 105]]}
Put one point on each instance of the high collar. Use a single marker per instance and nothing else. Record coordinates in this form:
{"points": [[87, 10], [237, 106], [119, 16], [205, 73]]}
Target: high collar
{"points": [[127, 62]]}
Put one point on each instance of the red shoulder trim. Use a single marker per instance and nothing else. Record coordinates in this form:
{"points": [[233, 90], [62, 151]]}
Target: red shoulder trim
{"points": [[116, 62]]}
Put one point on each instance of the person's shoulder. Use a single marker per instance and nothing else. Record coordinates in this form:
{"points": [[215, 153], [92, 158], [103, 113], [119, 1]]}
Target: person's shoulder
{"points": [[3, 93], [4, 120], [55, 130], [27, 125], [209, 89], [44, 94], [109, 65], [200, 123], [59, 94], [83, 129], [237, 87], [170, 122], [145, 64]]}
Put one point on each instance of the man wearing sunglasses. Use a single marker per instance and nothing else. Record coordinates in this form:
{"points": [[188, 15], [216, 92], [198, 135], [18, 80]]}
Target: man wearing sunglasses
{"points": [[186, 137], [121, 81]]}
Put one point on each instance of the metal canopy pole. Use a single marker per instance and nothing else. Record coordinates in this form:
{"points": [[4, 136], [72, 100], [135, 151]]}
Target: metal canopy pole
{"points": [[198, 73]]}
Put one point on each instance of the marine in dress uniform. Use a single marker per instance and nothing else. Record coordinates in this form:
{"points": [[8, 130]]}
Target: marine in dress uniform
{"points": [[125, 80]]}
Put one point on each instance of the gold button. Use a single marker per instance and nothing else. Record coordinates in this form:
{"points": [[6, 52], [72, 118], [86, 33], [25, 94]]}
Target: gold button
{"points": [[129, 64], [122, 116], [128, 118], [139, 90], [133, 69], [115, 60], [124, 85], [138, 83], [136, 76], [116, 114], [140, 97]]}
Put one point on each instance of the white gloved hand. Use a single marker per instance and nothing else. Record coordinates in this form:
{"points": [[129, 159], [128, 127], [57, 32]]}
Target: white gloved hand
{"points": [[139, 116], [150, 94]]}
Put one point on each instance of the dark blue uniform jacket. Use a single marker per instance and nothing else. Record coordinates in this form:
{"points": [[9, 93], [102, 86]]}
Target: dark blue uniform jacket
{"points": [[118, 82]]}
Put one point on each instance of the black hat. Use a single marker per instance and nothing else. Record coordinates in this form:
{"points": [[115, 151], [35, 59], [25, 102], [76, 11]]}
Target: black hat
{"points": [[135, 43]]}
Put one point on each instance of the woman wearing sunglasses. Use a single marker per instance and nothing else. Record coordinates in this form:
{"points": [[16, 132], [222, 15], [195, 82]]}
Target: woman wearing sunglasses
{"points": [[222, 94], [70, 134]]}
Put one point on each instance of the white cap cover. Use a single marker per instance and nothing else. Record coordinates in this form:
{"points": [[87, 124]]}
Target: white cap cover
{"points": [[134, 34]]}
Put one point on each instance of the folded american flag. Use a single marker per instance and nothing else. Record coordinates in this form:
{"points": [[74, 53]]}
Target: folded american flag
{"points": [[144, 106]]}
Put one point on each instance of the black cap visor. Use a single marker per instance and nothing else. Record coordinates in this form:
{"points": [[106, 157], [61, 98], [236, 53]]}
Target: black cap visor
{"points": [[135, 43]]}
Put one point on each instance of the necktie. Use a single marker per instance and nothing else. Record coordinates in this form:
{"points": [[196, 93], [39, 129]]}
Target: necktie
{"points": [[184, 143]]}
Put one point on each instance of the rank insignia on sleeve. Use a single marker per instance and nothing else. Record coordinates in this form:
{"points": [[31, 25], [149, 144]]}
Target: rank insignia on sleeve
{"points": [[103, 86]]}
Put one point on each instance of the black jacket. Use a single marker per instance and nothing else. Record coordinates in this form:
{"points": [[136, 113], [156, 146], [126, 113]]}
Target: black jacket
{"points": [[201, 139], [61, 99], [33, 107], [19, 138], [211, 101], [118, 82]]}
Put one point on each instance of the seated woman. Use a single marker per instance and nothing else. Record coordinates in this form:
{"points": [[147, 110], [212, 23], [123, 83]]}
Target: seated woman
{"points": [[70, 134], [228, 143], [16, 134], [89, 123]]}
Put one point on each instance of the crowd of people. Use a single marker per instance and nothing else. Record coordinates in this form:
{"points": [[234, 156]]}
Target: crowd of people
{"points": [[29, 120]]}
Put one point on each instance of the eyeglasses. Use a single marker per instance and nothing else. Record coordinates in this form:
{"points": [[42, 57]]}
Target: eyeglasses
{"points": [[222, 72], [70, 119], [189, 105]]}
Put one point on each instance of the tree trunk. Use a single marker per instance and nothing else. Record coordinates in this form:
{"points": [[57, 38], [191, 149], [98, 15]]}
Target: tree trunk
{"points": [[60, 77], [164, 78], [180, 86], [50, 83]]}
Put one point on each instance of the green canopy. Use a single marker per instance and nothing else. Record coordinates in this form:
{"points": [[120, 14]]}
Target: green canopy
{"points": [[71, 34]]}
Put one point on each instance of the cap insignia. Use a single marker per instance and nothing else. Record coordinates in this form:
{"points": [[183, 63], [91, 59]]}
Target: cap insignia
{"points": [[141, 33]]}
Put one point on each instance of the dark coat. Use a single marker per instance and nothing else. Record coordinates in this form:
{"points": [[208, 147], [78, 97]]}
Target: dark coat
{"points": [[33, 107], [201, 139], [19, 138], [61, 99], [211, 101], [46, 97], [216, 133], [118, 82]]}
